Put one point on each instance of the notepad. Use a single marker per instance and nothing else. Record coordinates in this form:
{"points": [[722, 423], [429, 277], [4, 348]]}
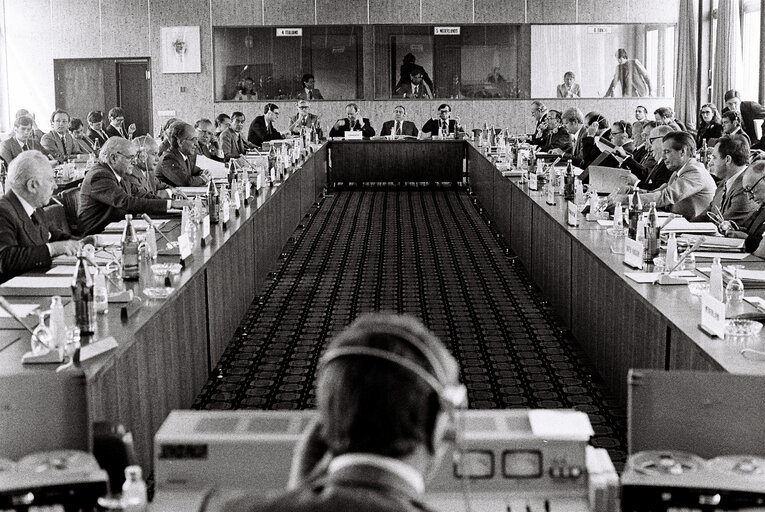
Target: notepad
{"points": [[62, 270], [138, 225], [22, 310], [43, 286], [722, 255], [680, 225], [652, 277], [560, 424], [193, 191]]}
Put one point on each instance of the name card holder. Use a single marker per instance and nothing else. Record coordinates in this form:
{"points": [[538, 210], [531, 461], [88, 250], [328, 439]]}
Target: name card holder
{"points": [[550, 194], [247, 191], [184, 246], [225, 216], [633, 253], [258, 182], [712, 316], [353, 135], [573, 214], [237, 203], [206, 236], [533, 183]]}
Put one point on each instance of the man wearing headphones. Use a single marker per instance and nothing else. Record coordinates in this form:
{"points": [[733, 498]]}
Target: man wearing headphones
{"points": [[387, 391]]}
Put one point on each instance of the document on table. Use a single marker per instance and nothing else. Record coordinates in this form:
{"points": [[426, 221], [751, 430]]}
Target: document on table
{"points": [[722, 255], [22, 310], [62, 270], [680, 225], [43, 286], [749, 275], [217, 169], [138, 224], [193, 191], [652, 277]]}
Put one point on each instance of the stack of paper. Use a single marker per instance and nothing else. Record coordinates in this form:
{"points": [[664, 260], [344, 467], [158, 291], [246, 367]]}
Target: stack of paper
{"points": [[217, 169], [680, 225], [44, 286], [138, 224], [716, 243]]}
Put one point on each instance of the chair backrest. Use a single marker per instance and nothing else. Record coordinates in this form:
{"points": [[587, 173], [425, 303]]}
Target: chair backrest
{"points": [[70, 198], [55, 216]]}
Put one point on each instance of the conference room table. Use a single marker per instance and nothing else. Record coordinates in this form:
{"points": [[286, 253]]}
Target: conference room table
{"points": [[168, 349]]}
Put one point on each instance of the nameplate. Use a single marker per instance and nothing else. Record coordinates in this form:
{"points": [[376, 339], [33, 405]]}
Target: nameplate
{"points": [[259, 182], [247, 190], [237, 201], [225, 214], [206, 230], [184, 246], [273, 175], [353, 135], [446, 31], [550, 194], [289, 32], [633, 253], [533, 183], [573, 214], [712, 316]]}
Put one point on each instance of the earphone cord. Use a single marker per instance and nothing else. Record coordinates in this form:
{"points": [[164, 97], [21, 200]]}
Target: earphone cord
{"points": [[459, 422]]}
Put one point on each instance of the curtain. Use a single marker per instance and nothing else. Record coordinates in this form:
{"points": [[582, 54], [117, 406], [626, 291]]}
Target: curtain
{"points": [[727, 60], [686, 62]]}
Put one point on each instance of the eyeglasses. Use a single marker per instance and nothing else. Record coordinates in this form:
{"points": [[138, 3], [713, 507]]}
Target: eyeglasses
{"points": [[750, 191], [131, 158], [444, 111], [303, 107], [651, 139], [616, 133]]}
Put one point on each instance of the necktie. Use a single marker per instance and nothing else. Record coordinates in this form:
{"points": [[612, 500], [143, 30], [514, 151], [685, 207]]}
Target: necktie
{"points": [[24, 147], [398, 128], [34, 218], [414, 91], [310, 94], [268, 127], [724, 194]]}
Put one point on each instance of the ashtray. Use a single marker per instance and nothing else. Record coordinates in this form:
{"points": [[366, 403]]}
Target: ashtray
{"points": [[162, 293], [162, 269], [741, 327]]}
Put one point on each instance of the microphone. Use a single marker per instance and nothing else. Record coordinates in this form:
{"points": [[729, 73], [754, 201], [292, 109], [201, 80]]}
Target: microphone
{"points": [[687, 253], [148, 219], [6, 306]]}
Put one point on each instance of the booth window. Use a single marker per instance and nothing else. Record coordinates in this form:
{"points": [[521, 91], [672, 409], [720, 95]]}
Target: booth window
{"points": [[264, 63]]}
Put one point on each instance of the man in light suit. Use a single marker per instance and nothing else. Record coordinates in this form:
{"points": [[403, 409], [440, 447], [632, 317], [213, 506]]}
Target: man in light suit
{"points": [[303, 119], [27, 241], [143, 176], [358, 457], [59, 142], [106, 196], [729, 161], [177, 166], [399, 127], [232, 143], [691, 188], [22, 140]]}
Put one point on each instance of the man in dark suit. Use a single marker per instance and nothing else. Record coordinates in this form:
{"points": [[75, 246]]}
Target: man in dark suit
{"points": [[106, 196], [116, 126], [749, 111], [27, 242], [303, 119], [416, 88], [559, 137], [541, 131], [262, 128], [730, 157], [143, 176], [444, 126], [352, 122], [573, 121], [355, 457], [177, 166], [649, 174], [398, 126], [753, 227], [732, 125], [207, 143], [21, 140], [96, 131], [232, 143]]}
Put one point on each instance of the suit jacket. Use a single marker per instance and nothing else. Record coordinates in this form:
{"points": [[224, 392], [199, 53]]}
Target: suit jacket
{"points": [[712, 131], [10, 148], [209, 150], [232, 144], [688, 192], [59, 147], [101, 136], [406, 90], [103, 200], [407, 128], [559, 139], [259, 133], [540, 135], [735, 205], [751, 110], [85, 145], [296, 123], [176, 171], [315, 95], [145, 184], [431, 127], [352, 488], [754, 225], [562, 91], [343, 125], [22, 242], [111, 131]]}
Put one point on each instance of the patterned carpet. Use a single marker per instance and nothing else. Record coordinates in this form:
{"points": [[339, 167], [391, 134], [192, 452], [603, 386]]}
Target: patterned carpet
{"points": [[429, 253]]}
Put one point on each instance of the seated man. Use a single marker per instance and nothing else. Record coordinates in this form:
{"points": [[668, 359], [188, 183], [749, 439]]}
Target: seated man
{"points": [[444, 126], [651, 173], [729, 160], [309, 92], [232, 143], [116, 126], [143, 176], [27, 242], [59, 142], [642, 153], [207, 143], [569, 88], [690, 189], [753, 226], [559, 137], [748, 112], [541, 131], [572, 120], [22, 140], [665, 115], [303, 119], [81, 141], [415, 88], [387, 391], [352, 122], [399, 127], [731, 124], [177, 166], [262, 128], [621, 136], [106, 197], [96, 128]]}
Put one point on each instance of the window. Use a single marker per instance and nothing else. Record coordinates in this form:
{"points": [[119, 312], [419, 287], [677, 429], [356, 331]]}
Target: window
{"points": [[751, 37]]}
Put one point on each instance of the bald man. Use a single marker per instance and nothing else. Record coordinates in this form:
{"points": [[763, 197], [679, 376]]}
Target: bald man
{"points": [[177, 166], [27, 242]]}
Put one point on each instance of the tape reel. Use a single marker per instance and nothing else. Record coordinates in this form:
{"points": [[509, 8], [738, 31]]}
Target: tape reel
{"points": [[59, 460], [739, 466], [666, 463]]}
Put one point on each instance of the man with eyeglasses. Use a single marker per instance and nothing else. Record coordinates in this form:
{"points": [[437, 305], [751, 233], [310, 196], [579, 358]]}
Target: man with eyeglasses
{"points": [[731, 203], [752, 228], [748, 111], [116, 126], [398, 126], [443, 126], [207, 143], [177, 166], [106, 196], [262, 128], [303, 119], [559, 137], [143, 178]]}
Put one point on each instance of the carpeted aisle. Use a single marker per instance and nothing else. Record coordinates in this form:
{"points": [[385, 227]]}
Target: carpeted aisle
{"points": [[426, 252]]}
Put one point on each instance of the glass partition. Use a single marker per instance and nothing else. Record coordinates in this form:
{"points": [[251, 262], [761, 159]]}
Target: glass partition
{"points": [[602, 61], [262, 63], [476, 61]]}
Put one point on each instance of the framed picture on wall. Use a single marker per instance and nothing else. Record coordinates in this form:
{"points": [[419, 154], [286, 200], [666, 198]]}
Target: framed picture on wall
{"points": [[180, 50]]}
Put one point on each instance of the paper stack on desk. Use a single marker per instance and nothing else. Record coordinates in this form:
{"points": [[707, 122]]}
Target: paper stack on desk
{"points": [[217, 169], [40, 286], [22, 310], [716, 243], [138, 224], [680, 225]]}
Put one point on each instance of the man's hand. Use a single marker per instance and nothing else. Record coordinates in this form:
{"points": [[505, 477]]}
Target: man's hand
{"points": [[180, 204], [620, 151], [131, 129], [67, 247], [556, 151]]}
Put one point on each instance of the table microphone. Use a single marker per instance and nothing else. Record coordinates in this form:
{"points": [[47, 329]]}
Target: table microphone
{"points": [[6, 306], [148, 219]]}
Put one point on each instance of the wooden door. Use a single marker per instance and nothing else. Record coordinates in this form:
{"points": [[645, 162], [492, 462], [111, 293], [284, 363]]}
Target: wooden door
{"points": [[134, 94], [79, 87]]}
